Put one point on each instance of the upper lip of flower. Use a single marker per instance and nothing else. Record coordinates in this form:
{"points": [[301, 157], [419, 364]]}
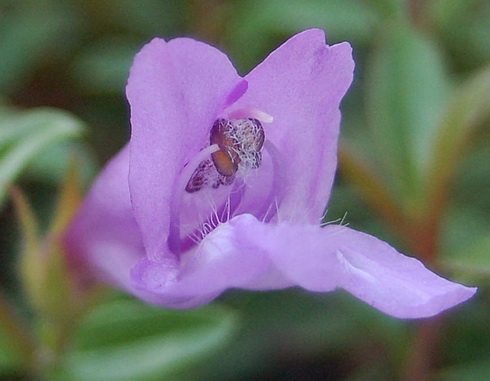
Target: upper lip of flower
{"points": [[303, 134]]}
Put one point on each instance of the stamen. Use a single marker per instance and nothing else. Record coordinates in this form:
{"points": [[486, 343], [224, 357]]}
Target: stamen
{"points": [[177, 194], [240, 142]]}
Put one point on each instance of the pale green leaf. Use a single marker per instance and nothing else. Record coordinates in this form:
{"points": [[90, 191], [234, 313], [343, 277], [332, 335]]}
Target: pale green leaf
{"points": [[407, 89], [25, 135], [472, 260], [52, 164], [128, 340], [468, 108]]}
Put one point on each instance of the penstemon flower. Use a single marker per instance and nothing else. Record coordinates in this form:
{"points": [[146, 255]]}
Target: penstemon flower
{"points": [[224, 182]]}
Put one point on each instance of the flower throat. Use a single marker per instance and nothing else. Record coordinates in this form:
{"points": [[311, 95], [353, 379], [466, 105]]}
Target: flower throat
{"points": [[235, 147]]}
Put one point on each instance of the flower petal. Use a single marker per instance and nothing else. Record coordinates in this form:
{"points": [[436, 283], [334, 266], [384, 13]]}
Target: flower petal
{"points": [[323, 259], [249, 254], [396, 284], [226, 258], [104, 234], [320, 259], [300, 85], [176, 90]]}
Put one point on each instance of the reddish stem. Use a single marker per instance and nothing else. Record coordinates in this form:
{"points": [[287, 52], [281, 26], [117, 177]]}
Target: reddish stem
{"points": [[422, 355], [208, 19], [424, 350], [418, 12]]}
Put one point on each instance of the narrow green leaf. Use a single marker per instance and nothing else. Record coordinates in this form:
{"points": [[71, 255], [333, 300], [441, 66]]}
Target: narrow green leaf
{"points": [[23, 136], [473, 260], [127, 340], [43, 271], [69, 198], [52, 164], [447, 13], [463, 27], [27, 219], [35, 259], [407, 89], [469, 106]]}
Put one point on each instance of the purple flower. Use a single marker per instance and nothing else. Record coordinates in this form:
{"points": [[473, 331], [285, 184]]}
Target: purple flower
{"points": [[224, 182]]}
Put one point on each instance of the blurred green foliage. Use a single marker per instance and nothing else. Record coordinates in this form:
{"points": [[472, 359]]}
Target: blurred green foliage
{"points": [[108, 347], [414, 161]]}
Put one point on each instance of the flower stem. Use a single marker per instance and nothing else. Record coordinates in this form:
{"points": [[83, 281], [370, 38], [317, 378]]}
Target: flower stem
{"points": [[418, 12], [18, 331], [424, 350], [422, 356], [201, 14], [420, 233], [373, 191]]}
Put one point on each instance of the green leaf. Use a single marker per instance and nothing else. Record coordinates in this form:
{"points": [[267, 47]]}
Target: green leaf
{"points": [[127, 340], [468, 108], [27, 220], [52, 164], [25, 135], [69, 199], [463, 26], [42, 265], [447, 13], [292, 325], [407, 88], [472, 260]]}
